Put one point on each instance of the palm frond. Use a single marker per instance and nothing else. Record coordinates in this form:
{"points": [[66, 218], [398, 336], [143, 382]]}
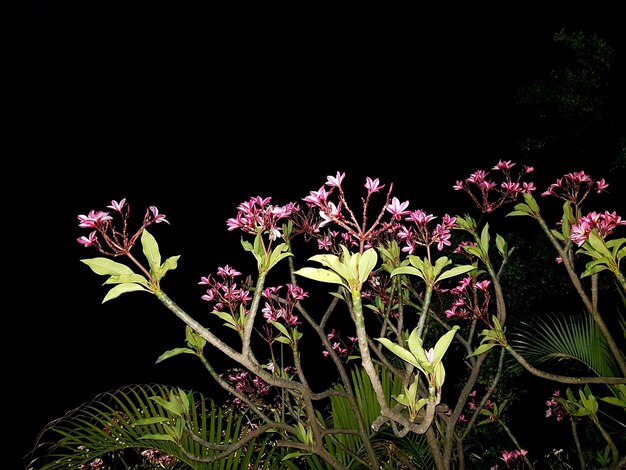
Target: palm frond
{"points": [[346, 446], [559, 338], [130, 418], [411, 451]]}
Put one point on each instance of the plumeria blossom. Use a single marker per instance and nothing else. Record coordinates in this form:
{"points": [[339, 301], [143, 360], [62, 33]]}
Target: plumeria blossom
{"points": [[333, 213], [554, 409], [373, 186], [575, 187], [277, 308], [224, 291], [514, 458], [420, 234], [335, 181], [257, 215], [106, 237], [248, 385], [604, 223], [466, 303], [397, 208], [487, 195], [338, 345]]}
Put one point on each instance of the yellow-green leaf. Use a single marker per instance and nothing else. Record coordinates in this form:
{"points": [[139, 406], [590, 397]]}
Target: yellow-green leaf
{"points": [[122, 289], [107, 267], [151, 251]]}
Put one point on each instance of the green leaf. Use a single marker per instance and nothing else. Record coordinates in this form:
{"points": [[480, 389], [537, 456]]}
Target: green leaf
{"points": [[482, 348], [151, 251], [518, 212], [594, 267], [598, 244], [407, 270], [440, 374], [130, 278], [501, 245], [484, 239], [400, 352], [322, 275], [152, 420], [227, 317], [280, 327], [294, 455], [614, 401], [473, 250], [568, 215], [443, 344], [159, 437], [122, 289], [532, 204], [455, 271], [416, 348], [440, 263], [173, 352], [247, 246], [279, 253], [258, 250], [194, 339], [107, 267], [558, 235], [367, 263], [169, 264]]}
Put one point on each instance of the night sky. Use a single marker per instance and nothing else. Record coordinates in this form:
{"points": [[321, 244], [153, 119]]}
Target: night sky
{"points": [[195, 111]]}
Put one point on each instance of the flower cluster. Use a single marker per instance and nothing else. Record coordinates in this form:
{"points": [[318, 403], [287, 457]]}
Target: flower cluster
{"points": [[487, 195], [276, 309], [225, 292], [603, 223], [250, 386], [472, 405], [575, 187], [470, 300], [356, 232], [104, 235], [554, 408], [419, 234], [341, 347], [513, 459], [95, 464], [257, 215], [157, 458]]}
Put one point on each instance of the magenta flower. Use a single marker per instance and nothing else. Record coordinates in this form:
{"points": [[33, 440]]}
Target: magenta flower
{"points": [[89, 240], [502, 165], [488, 195], [373, 186], [117, 206], [158, 218], [94, 219], [397, 209], [601, 185], [335, 181]]}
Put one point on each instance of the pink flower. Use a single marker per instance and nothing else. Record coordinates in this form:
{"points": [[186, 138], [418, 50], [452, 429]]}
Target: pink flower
{"points": [[502, 165], [158, 218], [397, 208], [335, 181], [601, 185], [89, 240], [317, 198], [373, 186], [117, 206]]}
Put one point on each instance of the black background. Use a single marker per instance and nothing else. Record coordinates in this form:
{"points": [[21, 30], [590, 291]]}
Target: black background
{"points": [[195, 110]]}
